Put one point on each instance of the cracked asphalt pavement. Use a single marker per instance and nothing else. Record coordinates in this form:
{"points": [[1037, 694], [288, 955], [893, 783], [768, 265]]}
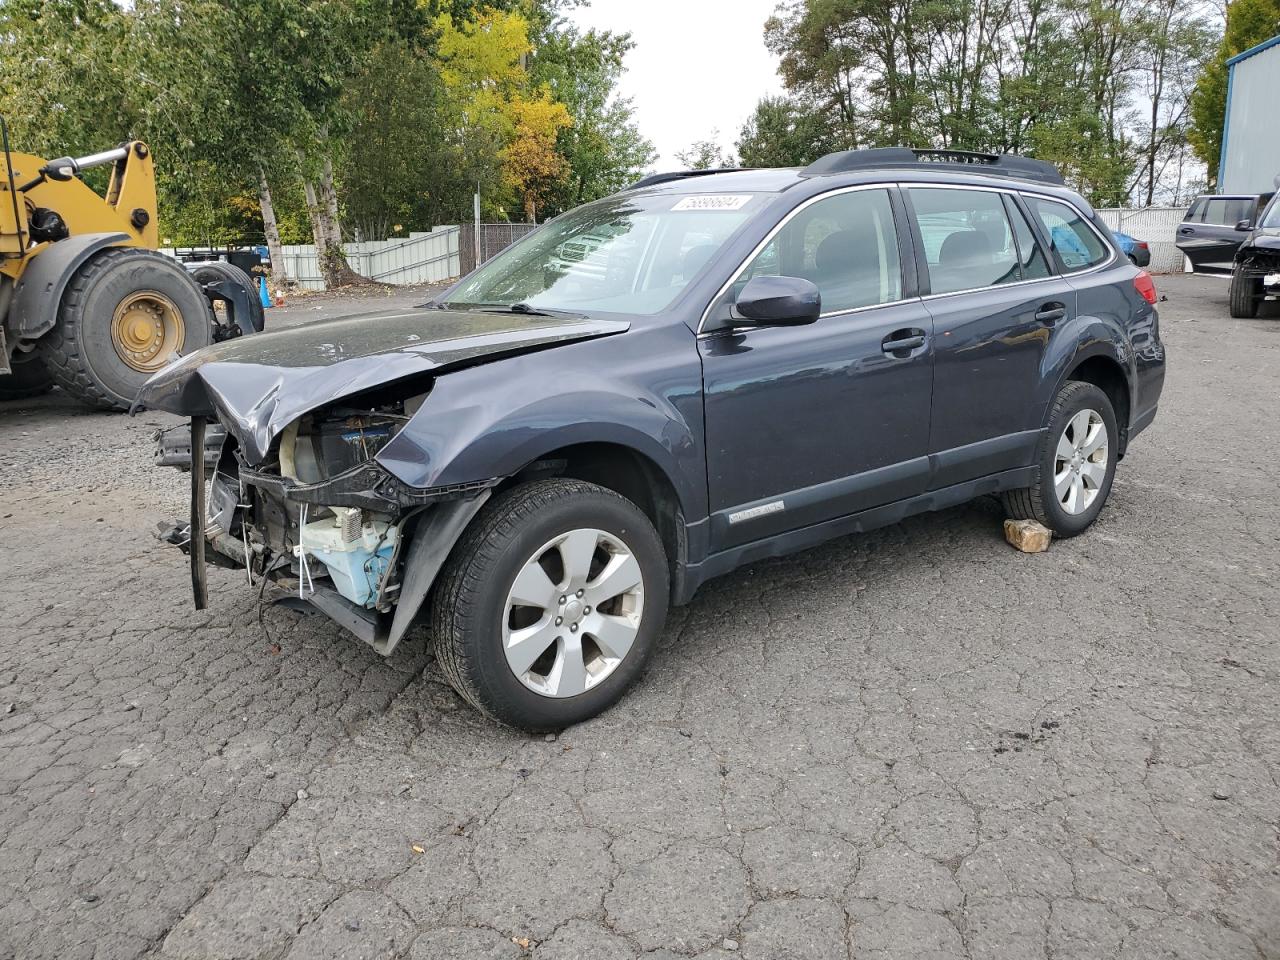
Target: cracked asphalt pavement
{"points": [[916, 743]]}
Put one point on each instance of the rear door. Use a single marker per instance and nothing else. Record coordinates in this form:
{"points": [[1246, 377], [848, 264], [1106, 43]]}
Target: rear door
{"points": [[994, 298], [1209, 237]]}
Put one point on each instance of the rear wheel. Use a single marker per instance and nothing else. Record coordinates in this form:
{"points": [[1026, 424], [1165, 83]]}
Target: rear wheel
{"points": [[125, 314], [29, 378], [1245, 294], [551, 604], [1077, 461]]}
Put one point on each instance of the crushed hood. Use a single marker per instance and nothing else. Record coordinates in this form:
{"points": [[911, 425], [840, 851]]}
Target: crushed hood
{"points": [[258, 385], [1268, 238]]}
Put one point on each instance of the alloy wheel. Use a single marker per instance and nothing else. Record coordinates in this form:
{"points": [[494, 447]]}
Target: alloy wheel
{"points": [[573, 613], [1080, 462]]}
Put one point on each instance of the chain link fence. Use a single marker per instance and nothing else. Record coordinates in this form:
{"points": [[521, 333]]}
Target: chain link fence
{"points": [[494, 238]]}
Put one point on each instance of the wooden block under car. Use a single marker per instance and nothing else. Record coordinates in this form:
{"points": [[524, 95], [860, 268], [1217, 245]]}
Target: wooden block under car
{"points": [[1028, 535]]}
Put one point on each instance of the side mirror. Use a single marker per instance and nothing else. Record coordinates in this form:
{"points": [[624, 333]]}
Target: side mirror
{"points": [[1244, 225], [778, 301]]}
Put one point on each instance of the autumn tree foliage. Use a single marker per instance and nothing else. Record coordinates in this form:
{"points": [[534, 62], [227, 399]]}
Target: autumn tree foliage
{"points": [[323, 120]]}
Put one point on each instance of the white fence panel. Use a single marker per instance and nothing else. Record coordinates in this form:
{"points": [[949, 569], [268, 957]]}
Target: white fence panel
{"points": [[1158, 226], [302, 264], [417, 258]]}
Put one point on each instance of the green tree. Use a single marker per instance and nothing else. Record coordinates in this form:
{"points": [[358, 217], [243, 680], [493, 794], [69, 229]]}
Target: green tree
{"points": [[1249, 22], [785, 133], [1096, 86], [602, 145], [706, 154]]}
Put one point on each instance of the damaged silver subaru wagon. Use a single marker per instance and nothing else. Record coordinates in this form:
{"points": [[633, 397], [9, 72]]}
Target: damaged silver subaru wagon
{"points": [[701, 371]]}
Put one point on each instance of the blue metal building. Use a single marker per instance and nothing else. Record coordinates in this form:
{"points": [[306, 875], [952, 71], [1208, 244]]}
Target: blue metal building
{"points": [[1250, 160]]}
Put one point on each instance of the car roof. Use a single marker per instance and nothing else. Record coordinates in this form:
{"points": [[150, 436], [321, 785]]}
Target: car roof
{"points": [[780, 179]]}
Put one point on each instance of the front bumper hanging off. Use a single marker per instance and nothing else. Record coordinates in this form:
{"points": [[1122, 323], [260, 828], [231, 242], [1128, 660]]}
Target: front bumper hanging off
{"points": [[219, 530]]}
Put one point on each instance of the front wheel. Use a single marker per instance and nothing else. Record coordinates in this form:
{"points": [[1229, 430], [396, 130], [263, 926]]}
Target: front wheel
{"points": [[1245, 294], [1077, 461], [125, 314], [550, 604]]}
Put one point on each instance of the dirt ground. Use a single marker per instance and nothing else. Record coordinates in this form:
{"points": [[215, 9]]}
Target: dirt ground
{"points": [[916, 743]]}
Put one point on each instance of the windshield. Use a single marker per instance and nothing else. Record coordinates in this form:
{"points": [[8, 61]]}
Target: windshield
{"points": [[1271, 216], [630, 254]]}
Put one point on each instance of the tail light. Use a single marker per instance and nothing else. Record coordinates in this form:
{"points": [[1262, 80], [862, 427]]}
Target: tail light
{"points": [[1145, 286], [1141, 245]]}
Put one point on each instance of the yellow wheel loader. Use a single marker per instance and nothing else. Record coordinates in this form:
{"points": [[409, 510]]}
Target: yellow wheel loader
{"points": [[86, 301]]}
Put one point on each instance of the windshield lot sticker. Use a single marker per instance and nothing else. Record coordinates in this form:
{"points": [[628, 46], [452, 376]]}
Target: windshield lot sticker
{"points": [[713, 201]]}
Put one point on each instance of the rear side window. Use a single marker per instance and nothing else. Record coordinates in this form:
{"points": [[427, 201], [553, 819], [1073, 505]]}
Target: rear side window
{"points": [[845, 243], [1228, 211], [1076, 244], [1196, 213], [968, 240]]}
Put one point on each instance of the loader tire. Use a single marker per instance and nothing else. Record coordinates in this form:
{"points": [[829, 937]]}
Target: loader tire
{"points": [[221, 270], [125, 314], [29, 378]]}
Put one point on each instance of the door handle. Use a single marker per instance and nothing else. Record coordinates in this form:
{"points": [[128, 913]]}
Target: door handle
{"points": [[1186, 231], [1051, 312], [901, 340]]}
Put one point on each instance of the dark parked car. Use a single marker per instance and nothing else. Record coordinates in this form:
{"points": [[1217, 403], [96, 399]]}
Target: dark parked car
{"points": [[754, 362], [1138, 252], [1211, 231], [1255, 271]]}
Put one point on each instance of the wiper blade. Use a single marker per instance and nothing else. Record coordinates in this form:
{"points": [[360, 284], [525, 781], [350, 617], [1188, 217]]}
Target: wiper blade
{"points": [[529, 310]]}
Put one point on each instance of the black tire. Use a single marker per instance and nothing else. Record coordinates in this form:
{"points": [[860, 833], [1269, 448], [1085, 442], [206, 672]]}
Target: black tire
{"points": [[221, 270], [1245, 295], [78, 351], [1038, 501], [469, 605], [29, 378]]}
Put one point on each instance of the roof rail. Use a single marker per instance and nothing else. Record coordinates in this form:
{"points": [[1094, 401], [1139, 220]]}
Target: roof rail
{"points": [[991, 164], [655, 178]]}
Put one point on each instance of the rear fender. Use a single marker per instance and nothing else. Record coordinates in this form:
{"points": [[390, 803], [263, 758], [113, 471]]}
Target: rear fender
{"points": [[1086, 338], [38, 295]]}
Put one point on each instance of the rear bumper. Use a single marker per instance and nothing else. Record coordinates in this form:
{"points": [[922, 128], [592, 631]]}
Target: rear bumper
{"points": [[1142, 421]]}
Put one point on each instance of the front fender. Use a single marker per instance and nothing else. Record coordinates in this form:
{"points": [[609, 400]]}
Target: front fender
{"points": [[39, 293], [493, 420]]}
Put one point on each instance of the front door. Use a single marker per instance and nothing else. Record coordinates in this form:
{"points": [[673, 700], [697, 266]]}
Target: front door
{"points": [[805, 424]]}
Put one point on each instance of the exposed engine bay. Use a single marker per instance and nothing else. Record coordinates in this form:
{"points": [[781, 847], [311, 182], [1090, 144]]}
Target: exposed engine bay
{"points": [[320, 518]]}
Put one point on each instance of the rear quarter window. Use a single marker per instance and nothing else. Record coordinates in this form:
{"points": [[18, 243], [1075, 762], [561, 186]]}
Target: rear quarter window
{"points": [[1075, 244]]}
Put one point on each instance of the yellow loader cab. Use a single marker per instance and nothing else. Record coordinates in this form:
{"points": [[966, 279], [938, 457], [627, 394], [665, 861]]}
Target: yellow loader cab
{"points": [[86, 302]]}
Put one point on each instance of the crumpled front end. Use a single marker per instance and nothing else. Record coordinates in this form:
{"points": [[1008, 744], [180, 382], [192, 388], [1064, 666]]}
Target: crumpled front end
{"points": [[291, 425], [1259, 259], [318, 519]]}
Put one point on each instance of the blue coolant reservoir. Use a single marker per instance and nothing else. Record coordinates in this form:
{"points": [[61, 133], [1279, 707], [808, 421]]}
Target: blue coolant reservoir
{"points": [[355, 553]]}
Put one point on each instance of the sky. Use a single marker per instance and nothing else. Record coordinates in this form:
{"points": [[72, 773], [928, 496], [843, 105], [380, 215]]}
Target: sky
{"points": [[697, 66]]}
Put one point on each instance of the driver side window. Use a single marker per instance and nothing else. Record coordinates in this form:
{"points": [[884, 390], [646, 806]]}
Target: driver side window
{"points": [[846, 244]]}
